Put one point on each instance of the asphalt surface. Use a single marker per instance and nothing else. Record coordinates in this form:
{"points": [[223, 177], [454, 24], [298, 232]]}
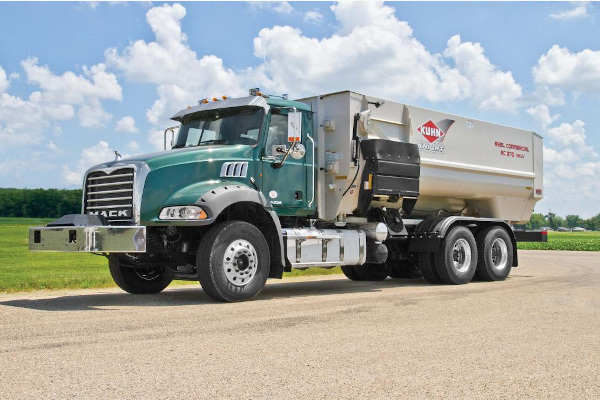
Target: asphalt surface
{"points": [[535, 335]]}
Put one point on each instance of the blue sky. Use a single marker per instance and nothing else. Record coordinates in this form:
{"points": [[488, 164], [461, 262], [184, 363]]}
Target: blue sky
{"points": [[79, 80]]}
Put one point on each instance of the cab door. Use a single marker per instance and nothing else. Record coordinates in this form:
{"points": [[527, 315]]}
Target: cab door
{"points": [[284, 179]]}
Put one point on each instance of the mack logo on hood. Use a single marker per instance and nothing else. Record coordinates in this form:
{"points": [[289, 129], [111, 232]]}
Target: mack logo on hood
{"points": [[435, 133], [112, 213]]}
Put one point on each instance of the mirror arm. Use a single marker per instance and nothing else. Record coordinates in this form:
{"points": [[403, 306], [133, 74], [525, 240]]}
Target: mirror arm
{"points": [[172, 129], [279, 164]]}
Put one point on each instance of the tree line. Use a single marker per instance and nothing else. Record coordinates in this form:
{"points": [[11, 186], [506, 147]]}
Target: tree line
{"points": [[39, 203], [554, 221], [54, 203]]}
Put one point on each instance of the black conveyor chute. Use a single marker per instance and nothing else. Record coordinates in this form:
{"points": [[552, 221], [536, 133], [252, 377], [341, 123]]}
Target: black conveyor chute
{"points": [[391, 169]]}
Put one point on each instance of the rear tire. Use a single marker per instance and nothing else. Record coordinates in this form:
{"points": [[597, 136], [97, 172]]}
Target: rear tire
{"points": [[427, 267], [233, 261], [495, 254], [456, 261], [139, 280]]}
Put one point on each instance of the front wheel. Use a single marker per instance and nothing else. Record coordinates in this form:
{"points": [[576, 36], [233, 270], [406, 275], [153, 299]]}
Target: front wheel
{"points": [[233, 261], [139, 280]]}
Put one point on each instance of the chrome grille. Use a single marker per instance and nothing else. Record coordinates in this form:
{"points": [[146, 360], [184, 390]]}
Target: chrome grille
{"points": [[110, 194]]}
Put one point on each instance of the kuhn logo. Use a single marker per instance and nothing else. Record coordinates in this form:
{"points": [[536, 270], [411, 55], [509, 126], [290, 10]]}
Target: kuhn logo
{"points": [[435, 133]]}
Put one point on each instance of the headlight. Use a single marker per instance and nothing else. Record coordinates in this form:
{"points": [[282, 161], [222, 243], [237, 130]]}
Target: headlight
{"points": [[183, 213]]}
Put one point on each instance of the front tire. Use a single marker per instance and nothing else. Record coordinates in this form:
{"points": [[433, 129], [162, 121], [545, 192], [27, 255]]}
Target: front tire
{"points": [[403, 269], [139, 280], [233, 261], [371, 272], [350, 272], [495, 254]]}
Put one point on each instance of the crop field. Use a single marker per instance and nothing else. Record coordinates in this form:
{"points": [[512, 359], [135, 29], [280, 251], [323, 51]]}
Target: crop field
{"points": [[570, 241], [21, 270]]}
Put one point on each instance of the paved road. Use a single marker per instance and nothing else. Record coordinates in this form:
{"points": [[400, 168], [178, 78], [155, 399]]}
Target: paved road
{"points": [[535, 335]]}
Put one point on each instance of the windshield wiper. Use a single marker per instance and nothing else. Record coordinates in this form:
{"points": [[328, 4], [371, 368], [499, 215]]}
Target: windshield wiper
{"points": [[216, 141], [178, 146]]}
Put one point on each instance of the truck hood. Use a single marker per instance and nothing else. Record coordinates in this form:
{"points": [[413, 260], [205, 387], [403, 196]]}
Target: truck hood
{"points": [[182, 176], [185, 155]]}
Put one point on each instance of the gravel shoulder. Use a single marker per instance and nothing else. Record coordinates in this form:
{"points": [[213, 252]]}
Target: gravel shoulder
{"points": [[535, 335]]}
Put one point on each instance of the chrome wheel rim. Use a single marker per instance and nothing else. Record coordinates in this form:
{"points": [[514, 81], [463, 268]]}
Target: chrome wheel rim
{"points": [[240, 262], [499, 254], [461, 255]]}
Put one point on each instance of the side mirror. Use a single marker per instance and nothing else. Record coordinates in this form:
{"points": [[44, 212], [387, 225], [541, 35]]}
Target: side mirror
{"points": [[298, 151], [294, 126]]}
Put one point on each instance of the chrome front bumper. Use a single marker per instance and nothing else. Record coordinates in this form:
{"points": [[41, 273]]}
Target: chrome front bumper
{"points": [[89, 239]]}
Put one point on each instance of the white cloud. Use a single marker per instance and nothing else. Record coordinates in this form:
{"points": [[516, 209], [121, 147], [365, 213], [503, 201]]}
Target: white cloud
{"points": [[133, 145], [4, 83], [372, 43], [491, 88], [52, 147], [571, 170], [61, 97], [570, 135], [168, 62], [95, 84], [93, 116], [99, 153], [541, 114], [283, 7], [579, 10], [550, 96], [578, 72], [127, 124], [564, 156], [21, 122], [313, 17], [279, 7]]}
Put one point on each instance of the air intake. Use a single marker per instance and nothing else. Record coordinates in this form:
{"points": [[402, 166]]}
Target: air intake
{"points": [[234, 170]]}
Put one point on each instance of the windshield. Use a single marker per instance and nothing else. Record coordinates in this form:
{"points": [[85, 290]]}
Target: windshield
{"points": [[222, 126]]}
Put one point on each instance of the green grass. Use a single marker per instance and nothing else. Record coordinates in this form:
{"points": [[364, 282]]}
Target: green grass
{"points": [[573, 241], [21, 270], [4, 221]]}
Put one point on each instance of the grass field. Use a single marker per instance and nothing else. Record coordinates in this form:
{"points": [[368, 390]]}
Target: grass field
{"points": [[21, 270], [573, 241]]}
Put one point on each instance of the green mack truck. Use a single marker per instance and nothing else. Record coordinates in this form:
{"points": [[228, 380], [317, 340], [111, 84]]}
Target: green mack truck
{"points": [[251, 187]]}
